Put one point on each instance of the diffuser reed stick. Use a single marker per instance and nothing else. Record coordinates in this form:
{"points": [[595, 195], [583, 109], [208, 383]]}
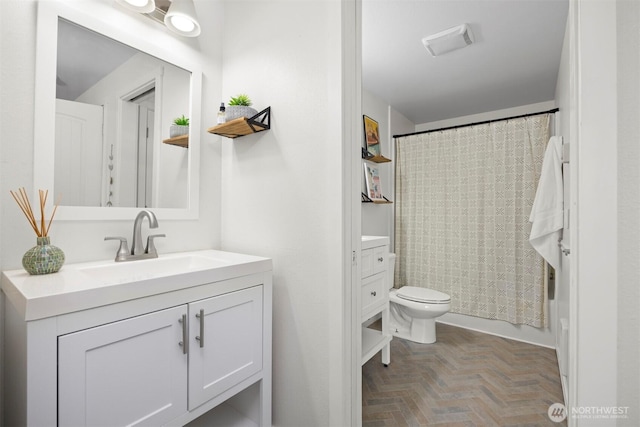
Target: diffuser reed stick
{"points": [[21, 198]]}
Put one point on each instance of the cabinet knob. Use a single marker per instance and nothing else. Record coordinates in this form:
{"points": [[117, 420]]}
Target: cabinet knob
{"points": [[380, 259], [373, 293]]}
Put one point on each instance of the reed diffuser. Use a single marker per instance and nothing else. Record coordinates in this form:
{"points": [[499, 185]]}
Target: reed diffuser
{"points": [[44, 258]]}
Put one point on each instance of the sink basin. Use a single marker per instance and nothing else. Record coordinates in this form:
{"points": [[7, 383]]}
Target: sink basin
{"points": [[150, 268]]}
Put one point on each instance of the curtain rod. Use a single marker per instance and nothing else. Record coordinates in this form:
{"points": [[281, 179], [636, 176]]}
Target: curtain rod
{"points": [[553, 110]]}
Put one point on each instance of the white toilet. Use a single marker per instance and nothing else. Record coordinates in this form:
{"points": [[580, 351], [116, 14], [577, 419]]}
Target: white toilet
{"points": [[413, 310]]}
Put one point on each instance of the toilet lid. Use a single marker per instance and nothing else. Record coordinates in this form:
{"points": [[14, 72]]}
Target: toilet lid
{"points": [[413, 293]]}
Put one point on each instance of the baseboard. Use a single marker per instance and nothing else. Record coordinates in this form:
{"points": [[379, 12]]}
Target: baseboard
{"points": [[495, 334]]}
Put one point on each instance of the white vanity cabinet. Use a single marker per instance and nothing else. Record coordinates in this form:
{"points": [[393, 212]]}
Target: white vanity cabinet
{"points": [[374, 297], [192, 349]]}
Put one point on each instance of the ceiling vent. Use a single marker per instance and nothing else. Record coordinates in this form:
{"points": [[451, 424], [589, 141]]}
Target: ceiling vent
{"points": [[448, 40]]}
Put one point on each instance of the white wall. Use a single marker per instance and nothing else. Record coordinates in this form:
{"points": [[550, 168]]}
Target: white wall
{"points": [[398, 125], [282, 189], [594, 240], [628, 375]]}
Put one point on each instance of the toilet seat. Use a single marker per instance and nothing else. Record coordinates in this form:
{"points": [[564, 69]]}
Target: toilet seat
{"points": [[431, 296]]}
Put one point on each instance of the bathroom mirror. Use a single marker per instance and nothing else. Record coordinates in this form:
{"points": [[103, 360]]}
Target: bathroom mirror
{"points": [[105, 101]]}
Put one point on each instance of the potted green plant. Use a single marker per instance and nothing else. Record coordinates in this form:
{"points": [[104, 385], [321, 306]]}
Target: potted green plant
{"points": [[179, 127], [239, 106]]}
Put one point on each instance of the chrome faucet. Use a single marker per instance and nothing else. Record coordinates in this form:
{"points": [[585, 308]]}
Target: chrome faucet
{"points": [[137, 252], [136, 245]]}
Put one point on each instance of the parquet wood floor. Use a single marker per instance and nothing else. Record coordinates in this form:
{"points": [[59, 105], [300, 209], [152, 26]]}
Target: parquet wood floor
{"points": [[466, 378]]}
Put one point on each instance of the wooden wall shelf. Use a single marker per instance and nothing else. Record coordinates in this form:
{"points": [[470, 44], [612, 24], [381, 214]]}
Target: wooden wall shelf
{"points": [[180, 141], [244, 126], [376, 158], [366, 199]]}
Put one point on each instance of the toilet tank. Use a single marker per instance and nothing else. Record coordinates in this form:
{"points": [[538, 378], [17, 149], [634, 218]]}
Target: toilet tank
{"points": [[391, 269]]}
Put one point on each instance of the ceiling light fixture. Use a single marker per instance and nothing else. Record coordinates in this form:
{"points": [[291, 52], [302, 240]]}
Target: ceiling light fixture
{"points": [[178, 15], [448, 40], [142, 6], [181, 18]]}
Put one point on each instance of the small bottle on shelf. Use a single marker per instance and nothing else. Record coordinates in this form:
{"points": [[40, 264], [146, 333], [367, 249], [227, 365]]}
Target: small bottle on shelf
{"points": [[221, 114]]}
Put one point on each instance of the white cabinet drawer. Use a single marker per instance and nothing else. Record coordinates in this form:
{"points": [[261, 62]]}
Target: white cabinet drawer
{"points": [[379, 259], [373, 293], [374, 261]]}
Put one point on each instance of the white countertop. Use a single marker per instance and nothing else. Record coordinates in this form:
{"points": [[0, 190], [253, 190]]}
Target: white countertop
{"points": [[369, 242], [87, 285]]}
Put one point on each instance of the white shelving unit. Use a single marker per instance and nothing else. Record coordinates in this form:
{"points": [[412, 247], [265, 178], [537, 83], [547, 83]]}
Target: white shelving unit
{"points": [[375, 297]]}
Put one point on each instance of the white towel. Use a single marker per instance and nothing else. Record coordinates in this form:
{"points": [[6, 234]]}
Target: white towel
{"points": [[547, 211]]}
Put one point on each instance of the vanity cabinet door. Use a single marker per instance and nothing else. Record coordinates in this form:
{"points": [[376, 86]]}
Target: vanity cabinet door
{"points": [[131, 372], [231, 325]]}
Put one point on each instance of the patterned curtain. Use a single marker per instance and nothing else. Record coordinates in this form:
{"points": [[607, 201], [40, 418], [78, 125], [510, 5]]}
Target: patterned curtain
{"points": [[463, 199]]}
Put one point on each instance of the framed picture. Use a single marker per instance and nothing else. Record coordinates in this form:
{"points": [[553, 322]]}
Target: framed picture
{"points": [[371, 135], [372, 180]]}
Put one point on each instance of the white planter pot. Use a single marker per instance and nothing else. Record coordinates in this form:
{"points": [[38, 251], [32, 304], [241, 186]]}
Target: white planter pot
{"points": [[177, 130], [235, 111]]}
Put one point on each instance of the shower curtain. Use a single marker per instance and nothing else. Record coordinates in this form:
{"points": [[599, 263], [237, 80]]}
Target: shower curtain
{"points": [[463, 199]]}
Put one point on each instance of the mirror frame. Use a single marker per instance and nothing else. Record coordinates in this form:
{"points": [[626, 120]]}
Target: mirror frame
{"points": [[164, 47]]}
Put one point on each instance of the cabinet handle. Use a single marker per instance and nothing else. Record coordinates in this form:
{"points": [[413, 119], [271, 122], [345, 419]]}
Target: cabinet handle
{"points": [[380, 259], [184, 343], [201, 337], [373, 293]]}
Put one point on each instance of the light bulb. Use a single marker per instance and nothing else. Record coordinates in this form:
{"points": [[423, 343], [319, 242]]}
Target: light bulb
{"points": [[181, 18], [182, 23], [141, 6], [137, 3]]}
